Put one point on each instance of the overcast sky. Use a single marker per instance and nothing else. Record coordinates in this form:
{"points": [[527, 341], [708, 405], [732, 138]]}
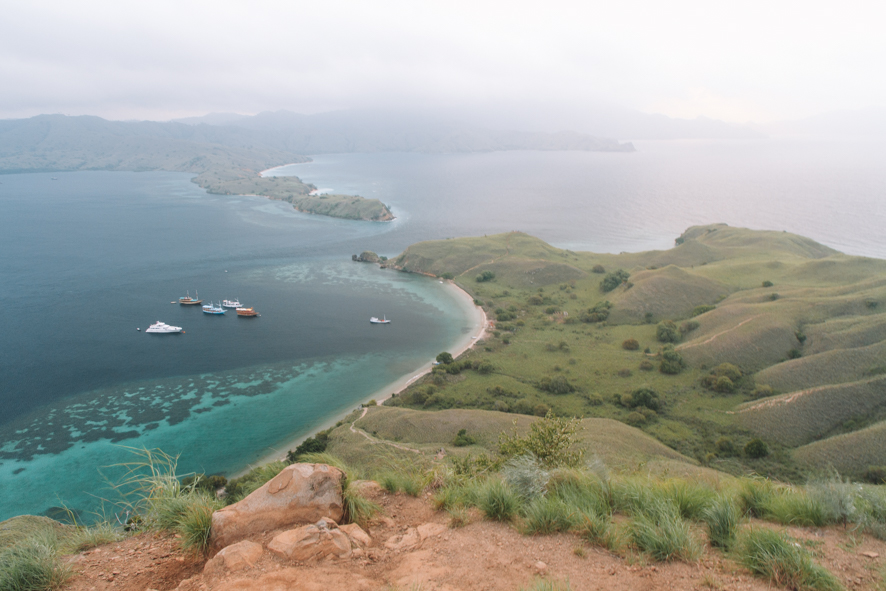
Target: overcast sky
{"points": [[736, 61]]}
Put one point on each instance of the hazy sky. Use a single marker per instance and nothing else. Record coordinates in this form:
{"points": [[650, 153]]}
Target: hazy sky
{"points": [[737, 61]]}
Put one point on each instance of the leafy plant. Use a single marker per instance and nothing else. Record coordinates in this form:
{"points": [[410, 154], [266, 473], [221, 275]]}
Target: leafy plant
{"points": [[775, 557], [552, 440], [613, 280]]}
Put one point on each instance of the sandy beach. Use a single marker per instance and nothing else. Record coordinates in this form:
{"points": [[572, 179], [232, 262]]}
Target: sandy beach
{"points": [[465, 342]]}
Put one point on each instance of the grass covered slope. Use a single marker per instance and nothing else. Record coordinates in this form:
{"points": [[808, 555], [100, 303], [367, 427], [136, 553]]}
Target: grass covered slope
{"points": [[587, 334]]}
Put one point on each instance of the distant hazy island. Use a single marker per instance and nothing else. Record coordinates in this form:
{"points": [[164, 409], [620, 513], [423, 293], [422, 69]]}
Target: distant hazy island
{"points": [[227, 159]]}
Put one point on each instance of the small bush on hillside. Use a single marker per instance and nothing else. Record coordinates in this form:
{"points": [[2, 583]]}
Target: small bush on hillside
{"points": [[630, 345], [462, 439], [551, 440], [671, 361], [642, 397], [485, 276], [613, 280], [444, 358], [556, 385], [875, 475], [725, 447], [625, 373], [688, 326], [646, 365], [767, 284], [722, 378], [666, 332], [780, 559], [598, 269], [795, 354], [773, 297], [635, 419], [598, 313], [699, 310], [762, 391], [756, 448]]}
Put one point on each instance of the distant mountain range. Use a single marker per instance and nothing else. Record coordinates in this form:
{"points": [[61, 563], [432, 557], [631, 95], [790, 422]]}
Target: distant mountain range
{"points": [[846, 124]]}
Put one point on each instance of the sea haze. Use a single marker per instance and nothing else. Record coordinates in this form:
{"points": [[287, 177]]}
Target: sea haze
{"points": [[87, 258]]}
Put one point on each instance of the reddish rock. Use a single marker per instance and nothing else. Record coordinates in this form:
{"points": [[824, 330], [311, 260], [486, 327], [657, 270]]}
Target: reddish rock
{"points": [[233, 558], [301, 493], [311, 542], [356, 534]]}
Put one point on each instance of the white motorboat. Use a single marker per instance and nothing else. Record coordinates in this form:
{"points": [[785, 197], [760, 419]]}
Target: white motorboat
{"points": [[163, 328], [232, 303], [382, 320]]}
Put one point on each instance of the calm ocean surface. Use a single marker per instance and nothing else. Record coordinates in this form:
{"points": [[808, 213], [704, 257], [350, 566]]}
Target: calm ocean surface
{"points": [[87, 258]]}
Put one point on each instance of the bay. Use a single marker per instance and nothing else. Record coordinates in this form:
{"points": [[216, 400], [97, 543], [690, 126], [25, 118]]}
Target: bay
{"points": [[87, 258]]}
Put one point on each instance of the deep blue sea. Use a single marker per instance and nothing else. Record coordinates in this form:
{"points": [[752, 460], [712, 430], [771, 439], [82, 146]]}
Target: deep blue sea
{"points": [[90, 256]]}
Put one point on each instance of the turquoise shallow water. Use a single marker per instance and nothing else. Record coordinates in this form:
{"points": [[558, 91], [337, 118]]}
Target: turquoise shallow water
{"points": [[90, 257]]}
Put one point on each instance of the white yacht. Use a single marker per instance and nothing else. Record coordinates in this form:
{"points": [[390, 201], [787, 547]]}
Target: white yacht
{"points": [[232, 303], [210, 309], [163, 328], [382, 320]]}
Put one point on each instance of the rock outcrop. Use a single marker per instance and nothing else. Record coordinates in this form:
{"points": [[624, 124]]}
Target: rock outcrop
{"points": [[234, 558], [314, 541], [300, 494]]}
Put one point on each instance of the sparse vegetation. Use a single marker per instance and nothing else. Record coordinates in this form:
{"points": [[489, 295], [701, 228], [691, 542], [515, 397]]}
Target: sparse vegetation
{"points": [[783, 561]]}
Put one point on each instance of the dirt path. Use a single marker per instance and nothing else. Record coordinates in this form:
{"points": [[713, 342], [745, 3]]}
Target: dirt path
{"points": [[375, 440], [721, 333]]}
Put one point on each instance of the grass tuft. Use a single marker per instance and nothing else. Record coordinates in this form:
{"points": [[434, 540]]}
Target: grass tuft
{"points": [[33, 565], [498, 501], [771, 555], [85, 538], [661, 533], [722, 518], [547, 515], [546, 585]]}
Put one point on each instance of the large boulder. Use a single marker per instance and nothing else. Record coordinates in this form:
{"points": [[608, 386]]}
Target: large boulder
{"points": [[234, 558], [301, 493]]}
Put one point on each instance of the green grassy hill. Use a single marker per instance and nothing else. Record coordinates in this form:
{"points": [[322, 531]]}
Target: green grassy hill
{"points": [[792, 314]]}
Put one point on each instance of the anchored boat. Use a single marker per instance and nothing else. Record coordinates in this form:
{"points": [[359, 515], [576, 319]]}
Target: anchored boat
{"points": [[232, 303], [189, 301], [163, 328], [382, 320], [211, 309], [247, 312]]}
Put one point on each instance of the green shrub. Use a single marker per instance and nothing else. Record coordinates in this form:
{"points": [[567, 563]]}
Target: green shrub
{"points": [[755, 495], [552, 440], [773, 556], [598, 269], [498, 501], [795, 508], [699, 310], [630, 345], [444, 358], [671, 361], [756, 448], [722, 518], [462, 439], [690, 499], [666, 332], [485, 276], [762, 391], [646, 365], [556, 385], [875, 475], [767, 284], [613, 280], [725, 447], [599, 313], [795, 354], [688, 326], [642, 397], [773, 297]]}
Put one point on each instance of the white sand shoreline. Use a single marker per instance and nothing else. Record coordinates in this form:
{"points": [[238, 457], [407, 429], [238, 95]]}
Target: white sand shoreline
{"points": [[464, 343]]}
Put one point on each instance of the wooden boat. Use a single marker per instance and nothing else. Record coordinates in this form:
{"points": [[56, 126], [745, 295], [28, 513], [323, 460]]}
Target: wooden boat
{"points": [[189, 301], [246, 312]]}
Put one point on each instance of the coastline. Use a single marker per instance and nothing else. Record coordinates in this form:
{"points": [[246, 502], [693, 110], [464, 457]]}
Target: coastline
{"points": [[465, 342]]}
